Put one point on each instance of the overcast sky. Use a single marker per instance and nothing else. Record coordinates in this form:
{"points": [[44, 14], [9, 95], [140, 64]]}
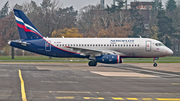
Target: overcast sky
{"points": [[77, 4]]}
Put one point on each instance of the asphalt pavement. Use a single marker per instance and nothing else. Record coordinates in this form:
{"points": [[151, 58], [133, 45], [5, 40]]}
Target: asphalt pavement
{"points": [[77, 81]]}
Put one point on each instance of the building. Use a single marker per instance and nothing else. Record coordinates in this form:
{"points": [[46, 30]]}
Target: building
{"points": [[102, 4], [176, 47], [144, 10]]}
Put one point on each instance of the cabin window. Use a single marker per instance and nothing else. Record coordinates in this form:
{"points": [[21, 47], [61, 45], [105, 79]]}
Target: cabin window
{"points": [[132, 45], [107, 45], [129, 45], [138, 45], [90, 44], [79, 44], [57, 44], [101, 45], [104, 45]]}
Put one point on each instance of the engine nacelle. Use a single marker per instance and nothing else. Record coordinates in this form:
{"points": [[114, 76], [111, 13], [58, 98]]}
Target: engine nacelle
{"points": [[109, 59]]}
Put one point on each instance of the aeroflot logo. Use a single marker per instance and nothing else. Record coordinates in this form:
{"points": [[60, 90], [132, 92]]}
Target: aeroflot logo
{"points": [[113, 41], [26, 27], [124, 41]]}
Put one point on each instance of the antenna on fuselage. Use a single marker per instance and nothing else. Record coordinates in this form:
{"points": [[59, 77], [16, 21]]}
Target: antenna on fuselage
{"points": [[62, 36], [140, 37]]}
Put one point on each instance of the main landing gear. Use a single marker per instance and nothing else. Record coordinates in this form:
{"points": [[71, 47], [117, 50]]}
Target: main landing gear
{"points": [[154, 60], [92, 63]]}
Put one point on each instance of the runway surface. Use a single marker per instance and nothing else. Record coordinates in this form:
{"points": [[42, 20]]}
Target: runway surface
{"points": [[70, 82]]}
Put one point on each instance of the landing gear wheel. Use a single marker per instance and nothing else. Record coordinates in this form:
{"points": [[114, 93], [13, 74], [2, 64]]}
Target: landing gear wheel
{"points": [[92, 63], [154, 60], [155, 64]]}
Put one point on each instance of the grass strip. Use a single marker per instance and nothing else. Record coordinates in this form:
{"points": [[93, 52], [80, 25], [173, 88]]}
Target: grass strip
{"points": [[45, 59]]}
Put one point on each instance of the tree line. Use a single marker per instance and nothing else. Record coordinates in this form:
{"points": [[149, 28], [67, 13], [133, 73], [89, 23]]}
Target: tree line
{"points": [[52, 20]]}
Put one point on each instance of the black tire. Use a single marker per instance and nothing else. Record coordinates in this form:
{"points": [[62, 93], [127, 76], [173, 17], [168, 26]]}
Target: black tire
{"points": [[92, 63], [155, 64]]}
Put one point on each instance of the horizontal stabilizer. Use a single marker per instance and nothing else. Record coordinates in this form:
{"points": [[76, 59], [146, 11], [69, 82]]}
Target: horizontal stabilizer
{"points": [[19, 42]]}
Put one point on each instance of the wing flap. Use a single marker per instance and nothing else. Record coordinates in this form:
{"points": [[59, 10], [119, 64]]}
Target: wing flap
{"points": [[92, 52]]}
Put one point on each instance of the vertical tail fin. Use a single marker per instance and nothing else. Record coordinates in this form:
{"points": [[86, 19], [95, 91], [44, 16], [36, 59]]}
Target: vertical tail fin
{"points": [[26, 29]]}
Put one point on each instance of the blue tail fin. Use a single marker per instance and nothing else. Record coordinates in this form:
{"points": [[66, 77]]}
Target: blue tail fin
{"points": [[26, 29]]}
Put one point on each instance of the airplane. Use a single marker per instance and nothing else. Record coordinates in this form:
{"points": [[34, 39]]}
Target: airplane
{"points": [[102, 50]]}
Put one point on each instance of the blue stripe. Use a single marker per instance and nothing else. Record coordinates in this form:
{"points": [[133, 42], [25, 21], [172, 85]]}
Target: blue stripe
{"points": [[26, 26], [20, 22], [32, 30]]}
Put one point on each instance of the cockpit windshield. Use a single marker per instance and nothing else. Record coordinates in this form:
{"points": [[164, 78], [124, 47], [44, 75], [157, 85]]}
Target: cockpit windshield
{"points": [[159, 44]]}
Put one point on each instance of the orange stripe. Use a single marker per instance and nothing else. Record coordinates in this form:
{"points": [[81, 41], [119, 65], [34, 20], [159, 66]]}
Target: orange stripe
{"points": [[117, 58]]}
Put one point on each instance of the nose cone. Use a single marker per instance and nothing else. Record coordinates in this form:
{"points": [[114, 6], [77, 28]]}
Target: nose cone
{"points": [[169, 52], [9, 43]]}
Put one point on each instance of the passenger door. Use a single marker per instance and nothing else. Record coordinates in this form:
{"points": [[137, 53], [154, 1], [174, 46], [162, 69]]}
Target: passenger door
{"points": [[148, 46], [48, 46]]}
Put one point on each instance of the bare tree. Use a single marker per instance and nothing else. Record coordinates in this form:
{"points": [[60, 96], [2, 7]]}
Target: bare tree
{"points": [[94, 22], [50, 16], [86, 18], [8, 30]]}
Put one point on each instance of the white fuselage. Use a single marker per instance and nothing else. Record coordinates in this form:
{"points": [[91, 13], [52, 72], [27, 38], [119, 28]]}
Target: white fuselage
{"points": [[125, 47]]}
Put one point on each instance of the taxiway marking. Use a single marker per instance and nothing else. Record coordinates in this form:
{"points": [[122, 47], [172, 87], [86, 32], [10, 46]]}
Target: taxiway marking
{"points": [[23, 93], [99, 98], [131, 98], [175, 83], [65, 97], [146, 99], [151, 71], [68, 92], [117, 98], [59, 81], [168, 99]]}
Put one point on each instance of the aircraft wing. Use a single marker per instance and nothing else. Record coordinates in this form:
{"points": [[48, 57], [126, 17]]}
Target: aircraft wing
{"points": [[92, 52]]}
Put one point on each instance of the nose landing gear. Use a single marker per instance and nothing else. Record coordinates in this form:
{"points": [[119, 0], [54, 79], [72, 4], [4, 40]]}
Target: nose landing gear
{"points": [[155, 64], [154, 60]]}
